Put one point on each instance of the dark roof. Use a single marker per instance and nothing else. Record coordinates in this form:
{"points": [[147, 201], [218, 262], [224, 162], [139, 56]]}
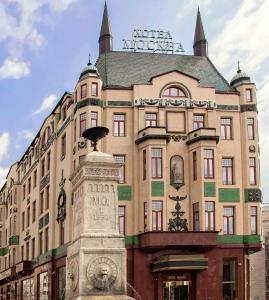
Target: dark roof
{"points": [[124, 69], [199, 29], [105, 28]]}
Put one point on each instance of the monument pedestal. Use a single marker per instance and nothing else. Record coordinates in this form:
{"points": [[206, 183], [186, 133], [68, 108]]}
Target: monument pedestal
{"points": [[96, 258]]}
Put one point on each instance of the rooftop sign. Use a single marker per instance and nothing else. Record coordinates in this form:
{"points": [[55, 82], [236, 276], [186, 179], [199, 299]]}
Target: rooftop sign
{"points": [[155, 41]]}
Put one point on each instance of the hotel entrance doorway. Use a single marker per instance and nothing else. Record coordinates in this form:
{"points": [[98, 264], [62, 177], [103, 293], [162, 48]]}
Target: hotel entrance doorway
{"points": [[176, 290]]}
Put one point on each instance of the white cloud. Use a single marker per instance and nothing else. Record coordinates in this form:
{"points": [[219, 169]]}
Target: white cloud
{"points": [[14, 69], [47, 103], [19, 20], [244, 37], [188, 6], [3, 174], [4, 143], [27, 135]]}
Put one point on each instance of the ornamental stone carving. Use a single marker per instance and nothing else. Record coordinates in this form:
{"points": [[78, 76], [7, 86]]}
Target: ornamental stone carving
{"points": [[102, 273], [73, 274], [253, 195]]}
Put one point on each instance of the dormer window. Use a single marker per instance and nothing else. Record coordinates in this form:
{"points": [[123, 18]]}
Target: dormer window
{"points": [[175, 92], [64, 112]]}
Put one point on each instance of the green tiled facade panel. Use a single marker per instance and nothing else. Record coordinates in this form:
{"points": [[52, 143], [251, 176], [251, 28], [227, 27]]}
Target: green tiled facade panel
{"points": [[229, 195], [209, 189], [253, 195], [4, 251], [14, 240], [124, 192], [239, 239], [131, 240], [157, 188]]}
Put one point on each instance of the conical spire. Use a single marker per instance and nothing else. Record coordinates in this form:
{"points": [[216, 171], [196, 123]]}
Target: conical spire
{"points": [[200, 42], [105, 39]]}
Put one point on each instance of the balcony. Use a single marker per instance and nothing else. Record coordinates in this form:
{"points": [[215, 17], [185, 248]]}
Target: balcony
{"points": [[161, 239], [155, 133], [44, 181], [202, 134]]}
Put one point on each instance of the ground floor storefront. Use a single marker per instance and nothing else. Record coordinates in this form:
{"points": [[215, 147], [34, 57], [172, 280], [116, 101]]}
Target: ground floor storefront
{"points": [[160, 266]]}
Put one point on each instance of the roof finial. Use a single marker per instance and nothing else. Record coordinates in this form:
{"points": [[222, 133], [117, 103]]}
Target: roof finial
{"points": [[89, 63], [238, 67], [200, 42]]}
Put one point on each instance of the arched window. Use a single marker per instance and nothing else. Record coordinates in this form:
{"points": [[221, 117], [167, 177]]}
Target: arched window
{"points": [[177, 171], [175, 92]]}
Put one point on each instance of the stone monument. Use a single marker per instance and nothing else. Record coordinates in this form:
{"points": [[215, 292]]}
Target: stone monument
{"points": [[96, 257]]}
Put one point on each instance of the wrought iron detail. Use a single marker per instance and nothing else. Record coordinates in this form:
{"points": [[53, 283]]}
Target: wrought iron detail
{"points": [[178, 223], [46, 146]]}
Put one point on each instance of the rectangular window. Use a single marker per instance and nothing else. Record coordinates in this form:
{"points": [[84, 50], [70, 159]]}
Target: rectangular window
{"points": [[121, 159], [252, 171], [35, 178], [40, 243], [75, 130], [249, 95], [228, 220], [83, 91], [226, 128], [209, 163], [157, 215], [151, 119], [94, 89], [41, 203], [43, 284], [94, 119], [24, 191], [198, 121], [194, 165], [46, 239], [144, 164], [23, 221], [122, 219], [28, 216], [156, 162], [22, 253], [227, 171], [42, 167], [209, 215], [47, 197], [196, 218], [250, 124], [27, 251], [253, 219], [33, 248], [83, 124], [33, 211], [145, 216], [229, 281], [28, 292], [119, 125], [29, 185], [48, 161], [63, 150]]}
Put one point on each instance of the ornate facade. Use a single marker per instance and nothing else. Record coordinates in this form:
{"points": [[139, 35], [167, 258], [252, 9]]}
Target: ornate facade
{"points": [[182, 132]]}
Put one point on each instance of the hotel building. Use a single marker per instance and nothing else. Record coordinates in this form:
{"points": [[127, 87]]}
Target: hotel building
{"points": [[180, 130]]}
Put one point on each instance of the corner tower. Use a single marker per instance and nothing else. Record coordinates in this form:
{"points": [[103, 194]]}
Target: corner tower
{"points": [[105, 39], [200, 42]]}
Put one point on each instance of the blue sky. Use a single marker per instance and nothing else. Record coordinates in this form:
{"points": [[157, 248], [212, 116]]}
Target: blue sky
{"points": [[44, 44]]}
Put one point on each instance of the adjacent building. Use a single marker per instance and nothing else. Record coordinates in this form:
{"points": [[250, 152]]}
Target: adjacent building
{"points": [[181, 132]]}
